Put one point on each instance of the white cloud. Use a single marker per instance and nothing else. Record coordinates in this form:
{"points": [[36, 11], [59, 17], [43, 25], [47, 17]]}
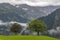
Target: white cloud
{"points": [[33, 2], [54, 31]]}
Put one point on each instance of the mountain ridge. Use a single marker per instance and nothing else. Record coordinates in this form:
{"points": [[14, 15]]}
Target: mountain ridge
{"points": [[37, 11], [52, 20], [9, 12]]}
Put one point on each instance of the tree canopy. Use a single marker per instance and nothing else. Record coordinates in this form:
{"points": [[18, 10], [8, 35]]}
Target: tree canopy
{"points": [[16, 28], [37, 26]]}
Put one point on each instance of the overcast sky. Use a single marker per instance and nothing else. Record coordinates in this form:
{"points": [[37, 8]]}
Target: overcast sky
{"points": [[33, 2]]}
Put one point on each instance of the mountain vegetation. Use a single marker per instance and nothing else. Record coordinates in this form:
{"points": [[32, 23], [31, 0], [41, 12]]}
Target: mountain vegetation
{"points": [[53, 19], [34, 12], [23, 13], [9, 12]]}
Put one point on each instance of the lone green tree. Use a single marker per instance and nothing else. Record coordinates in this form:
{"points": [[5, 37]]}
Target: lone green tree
{"points": [[16, 28], [37, 26]]}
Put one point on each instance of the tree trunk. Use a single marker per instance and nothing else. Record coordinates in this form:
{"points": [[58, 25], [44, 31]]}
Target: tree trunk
{"points": [[38, 33]]}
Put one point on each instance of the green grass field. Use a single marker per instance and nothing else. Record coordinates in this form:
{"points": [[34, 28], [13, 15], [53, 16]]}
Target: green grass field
{"points": [[26, 38]]}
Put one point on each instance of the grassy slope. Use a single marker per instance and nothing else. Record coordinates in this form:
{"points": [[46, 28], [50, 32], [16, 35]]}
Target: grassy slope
{"points": [[26, 38]]}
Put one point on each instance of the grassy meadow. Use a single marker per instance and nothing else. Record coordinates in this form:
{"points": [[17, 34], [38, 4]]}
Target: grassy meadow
{"points": [[15, 37]]}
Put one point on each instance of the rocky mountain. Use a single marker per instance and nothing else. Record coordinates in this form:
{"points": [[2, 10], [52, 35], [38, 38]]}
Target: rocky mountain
{"points": [[23, 13], [34, 12], [52, 20], [9, 12]]}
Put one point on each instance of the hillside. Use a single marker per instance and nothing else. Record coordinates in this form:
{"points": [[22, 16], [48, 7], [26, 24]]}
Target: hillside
{"points": [[9, 12], [52, 20], [23, 12], [34, 12]]}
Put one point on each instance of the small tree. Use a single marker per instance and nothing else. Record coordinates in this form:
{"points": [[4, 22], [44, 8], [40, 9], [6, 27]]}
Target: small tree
{"points": [[16, 28], [37, 26]]}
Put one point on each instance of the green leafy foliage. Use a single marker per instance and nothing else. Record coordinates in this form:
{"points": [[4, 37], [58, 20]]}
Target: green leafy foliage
{"points": [[16, 28], [37, 26]]}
